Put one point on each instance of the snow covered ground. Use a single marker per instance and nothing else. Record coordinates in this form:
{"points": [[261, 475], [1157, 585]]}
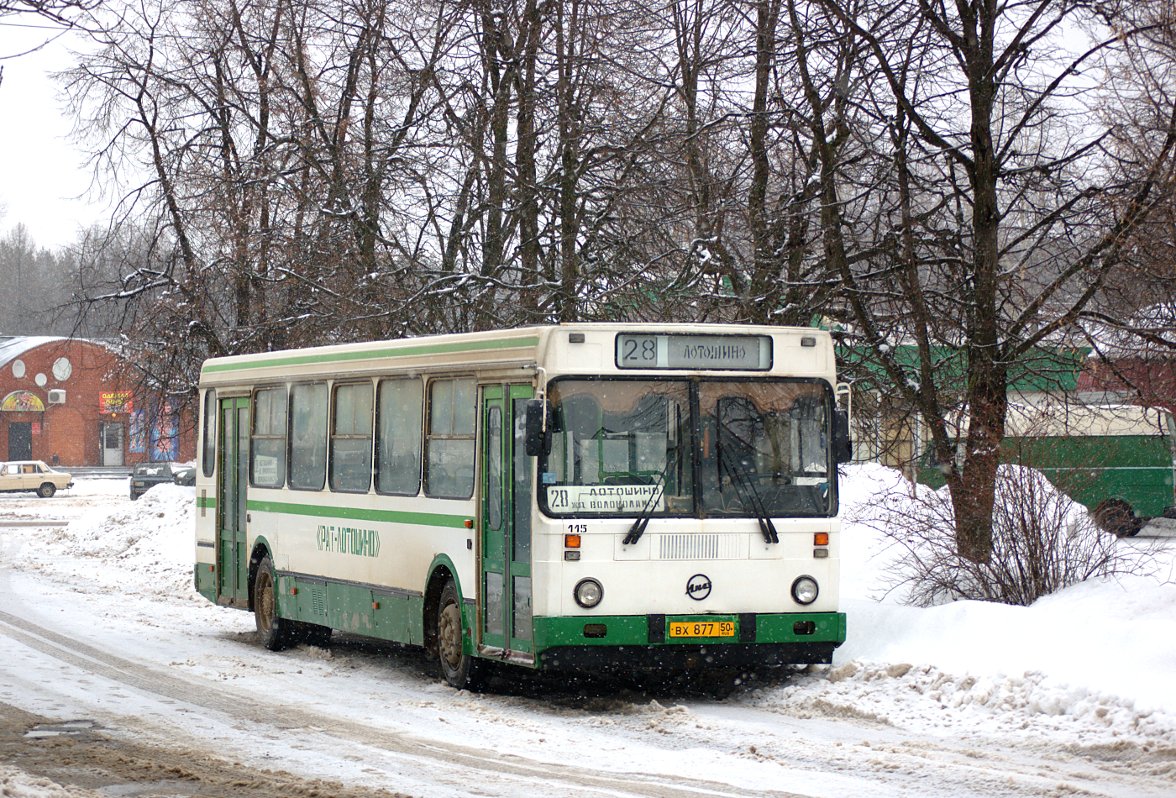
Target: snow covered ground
{"points": [[1074, 695]]}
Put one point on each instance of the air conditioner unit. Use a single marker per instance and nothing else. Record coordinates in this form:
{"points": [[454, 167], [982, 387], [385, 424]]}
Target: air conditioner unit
{"points": [[57, 397]]}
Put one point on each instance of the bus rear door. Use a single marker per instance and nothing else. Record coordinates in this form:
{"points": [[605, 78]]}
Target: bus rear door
{"points": [[232, 560]]}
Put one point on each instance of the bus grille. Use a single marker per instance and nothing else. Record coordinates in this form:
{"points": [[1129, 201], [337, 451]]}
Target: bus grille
{"points": [[699, 547]]}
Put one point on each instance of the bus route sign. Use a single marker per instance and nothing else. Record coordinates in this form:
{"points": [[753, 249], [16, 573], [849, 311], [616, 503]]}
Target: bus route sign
{"points": [[671, 351], [605, 498]]}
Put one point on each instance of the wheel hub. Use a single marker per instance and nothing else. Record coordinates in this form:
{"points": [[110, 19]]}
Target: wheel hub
{"points": [[449, 635]]}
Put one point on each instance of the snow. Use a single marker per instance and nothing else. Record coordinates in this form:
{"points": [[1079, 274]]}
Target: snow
{"points": [[1090, 668], [16, 784], [1099, 650]]}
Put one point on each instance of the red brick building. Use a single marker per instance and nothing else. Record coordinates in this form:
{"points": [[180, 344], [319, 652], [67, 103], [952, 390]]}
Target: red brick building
{"points": [[66, 401], [1140, 368], [1148, 381]]}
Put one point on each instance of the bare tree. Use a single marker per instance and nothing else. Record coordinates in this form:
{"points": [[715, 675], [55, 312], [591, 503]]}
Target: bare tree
{"points": [[61, 12], [999, 221]]}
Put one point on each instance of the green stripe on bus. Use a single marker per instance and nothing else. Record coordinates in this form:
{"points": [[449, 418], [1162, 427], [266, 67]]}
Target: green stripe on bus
{"points": [[360, 514], [454, 347]]}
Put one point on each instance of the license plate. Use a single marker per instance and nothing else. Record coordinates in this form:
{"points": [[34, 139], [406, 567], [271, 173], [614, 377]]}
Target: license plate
{"points": [[680, 629]]}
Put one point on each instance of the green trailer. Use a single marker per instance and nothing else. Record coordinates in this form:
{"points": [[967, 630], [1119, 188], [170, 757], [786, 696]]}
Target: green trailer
{"points": [[1119, 461]]}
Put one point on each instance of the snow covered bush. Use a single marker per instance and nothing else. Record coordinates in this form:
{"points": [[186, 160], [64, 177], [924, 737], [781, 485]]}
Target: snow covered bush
{"points": [[1042, 542]]}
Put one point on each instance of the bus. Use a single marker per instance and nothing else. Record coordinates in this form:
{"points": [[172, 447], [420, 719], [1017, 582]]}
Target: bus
{"points": [[577, 498], [1117, 460]]}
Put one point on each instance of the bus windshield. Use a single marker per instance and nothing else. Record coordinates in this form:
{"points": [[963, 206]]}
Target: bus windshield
{"points": [[698, 448]]}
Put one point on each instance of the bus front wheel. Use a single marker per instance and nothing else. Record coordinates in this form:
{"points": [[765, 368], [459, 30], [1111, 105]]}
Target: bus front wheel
{"points": [[460, 669], [276, 633]]}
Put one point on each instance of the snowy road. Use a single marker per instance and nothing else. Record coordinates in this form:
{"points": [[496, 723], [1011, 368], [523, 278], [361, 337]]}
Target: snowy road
{"points": [[99, 625]]}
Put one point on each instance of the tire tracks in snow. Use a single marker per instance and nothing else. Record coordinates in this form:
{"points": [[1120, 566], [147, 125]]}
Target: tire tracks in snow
{"points": [[456, 763]]}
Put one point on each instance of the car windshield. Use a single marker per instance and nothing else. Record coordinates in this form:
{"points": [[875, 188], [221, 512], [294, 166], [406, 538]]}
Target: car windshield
{"points": [[631, 447]]}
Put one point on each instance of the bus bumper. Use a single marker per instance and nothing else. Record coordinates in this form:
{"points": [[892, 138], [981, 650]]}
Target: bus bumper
{"points": [[642, 642]]}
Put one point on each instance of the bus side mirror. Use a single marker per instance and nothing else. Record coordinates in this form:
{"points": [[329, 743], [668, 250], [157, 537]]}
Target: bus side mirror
{"points": [[538, 434], [842, 445]]}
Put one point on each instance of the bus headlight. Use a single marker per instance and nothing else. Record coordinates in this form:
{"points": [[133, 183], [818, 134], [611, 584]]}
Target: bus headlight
{"points": [[805, 590], [588, 593]]}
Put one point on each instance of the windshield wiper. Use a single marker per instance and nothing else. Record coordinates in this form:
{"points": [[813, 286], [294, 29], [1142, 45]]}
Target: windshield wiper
{"points": [[745, 486], [642, 520], [638, 528]]}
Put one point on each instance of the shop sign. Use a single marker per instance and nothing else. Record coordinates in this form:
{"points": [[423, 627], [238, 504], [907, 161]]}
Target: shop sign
{"points": [[22, 402], [115, 402]]}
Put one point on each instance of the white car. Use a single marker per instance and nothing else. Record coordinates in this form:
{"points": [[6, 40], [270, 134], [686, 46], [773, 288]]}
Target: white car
{"points": [[33, 476]]}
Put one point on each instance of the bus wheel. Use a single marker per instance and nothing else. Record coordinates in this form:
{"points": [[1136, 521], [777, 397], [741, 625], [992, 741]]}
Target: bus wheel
{"points": [[276, 633], [459, 669], [1117, 517], [46, 490]]}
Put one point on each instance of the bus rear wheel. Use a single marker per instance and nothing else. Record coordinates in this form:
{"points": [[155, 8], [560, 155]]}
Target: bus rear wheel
{"points": [[276, 633], [1117, 517], [460, 669]]}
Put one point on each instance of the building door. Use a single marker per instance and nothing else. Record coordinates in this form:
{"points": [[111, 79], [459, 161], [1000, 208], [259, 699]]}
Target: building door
{"points": [[20, 440], [111, 435], [232, 561], [505, 619]]}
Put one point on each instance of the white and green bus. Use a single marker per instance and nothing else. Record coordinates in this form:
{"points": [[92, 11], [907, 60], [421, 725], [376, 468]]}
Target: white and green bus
{"points": [[574, 497]]}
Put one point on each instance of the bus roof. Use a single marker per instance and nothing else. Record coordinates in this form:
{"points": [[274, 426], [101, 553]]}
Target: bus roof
{"points": [[521, 346]]}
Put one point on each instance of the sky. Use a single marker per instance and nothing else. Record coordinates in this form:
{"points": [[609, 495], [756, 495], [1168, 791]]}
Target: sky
{"points": [[1073, 695], [43, 181]]}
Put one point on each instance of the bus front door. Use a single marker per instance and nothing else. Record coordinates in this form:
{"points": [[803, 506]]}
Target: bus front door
{"points": [[232, 561], [505, 563]]}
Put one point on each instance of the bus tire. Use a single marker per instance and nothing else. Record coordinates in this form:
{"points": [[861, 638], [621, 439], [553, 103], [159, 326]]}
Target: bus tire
{"points": [[1117, 517], [46, 490], [276, 633], [458, 668]]}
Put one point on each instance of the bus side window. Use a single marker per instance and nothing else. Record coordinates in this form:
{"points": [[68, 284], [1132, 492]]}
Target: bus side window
{"points": [[398, 437], [308, 436], [267, 452], [351, 438], [208, 430], [449, 455]]}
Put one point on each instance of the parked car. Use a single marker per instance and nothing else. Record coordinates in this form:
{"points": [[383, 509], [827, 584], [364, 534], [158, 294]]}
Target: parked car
{"points": [[147, 475], [33, 476], [185, 476]]}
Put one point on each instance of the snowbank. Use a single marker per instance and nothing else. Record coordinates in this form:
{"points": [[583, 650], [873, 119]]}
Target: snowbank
{"points": [[1098, 658], [144, 547]]}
